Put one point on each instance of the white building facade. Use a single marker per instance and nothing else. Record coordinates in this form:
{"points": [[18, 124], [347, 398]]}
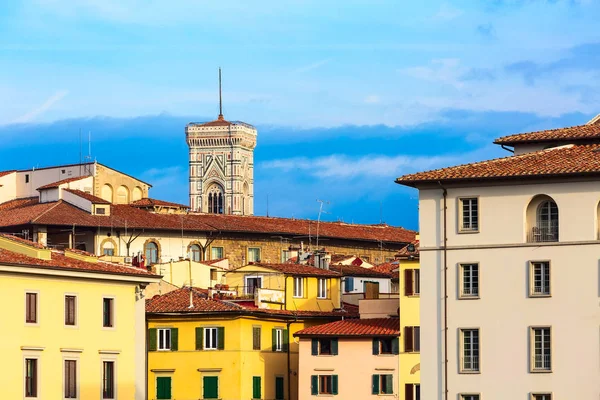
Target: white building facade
{"points": [[510, 262]]}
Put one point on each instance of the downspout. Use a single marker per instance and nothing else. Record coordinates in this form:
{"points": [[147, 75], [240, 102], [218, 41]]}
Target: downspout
{"points": [[506, 148], [445, 195], [289, 386]]}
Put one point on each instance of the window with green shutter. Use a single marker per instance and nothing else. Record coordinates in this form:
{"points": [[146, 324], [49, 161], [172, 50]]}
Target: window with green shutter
{"points": [[256, 389], [279, 388], [152, 339], [286, 340], [375, 384], [221, 338], [375, 346], [174, 339], [314, 384], [199, 337], [334, 384], [382, 384], [163, 387], [314, 347], [279, 342], [334, 347], [210, 388]]}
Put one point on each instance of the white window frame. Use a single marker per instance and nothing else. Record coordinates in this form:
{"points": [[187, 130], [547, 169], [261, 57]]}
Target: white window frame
{"points": [[322, 284], [462, 337], [470, 396], [278, 339], [115, 377], [544, 396], [30, 356], [473, 215], [213, 339], [213, 248], [246, 286], [469, 292], [285, 255], [543, 291], [37, 307], [298, 287], [532, 343], [76, 324], [163, 339], [259, 254]]}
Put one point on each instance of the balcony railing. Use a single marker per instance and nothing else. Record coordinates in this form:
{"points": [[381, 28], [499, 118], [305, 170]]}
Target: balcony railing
{"points": [[547, 232], [542, 362]]}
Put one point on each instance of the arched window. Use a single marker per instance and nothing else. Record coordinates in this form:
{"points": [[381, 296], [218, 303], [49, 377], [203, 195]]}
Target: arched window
{"points": [[195, 253], [542, 219], [215, 199], [151, 253], [108, 249]]}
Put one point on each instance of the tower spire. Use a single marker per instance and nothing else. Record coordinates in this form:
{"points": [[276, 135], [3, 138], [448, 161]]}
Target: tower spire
{"points": [[220, 98]]}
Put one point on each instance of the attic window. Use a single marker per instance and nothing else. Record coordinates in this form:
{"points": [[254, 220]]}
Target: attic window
{"points": [[62, 171], [101, 210], [26, 178]]}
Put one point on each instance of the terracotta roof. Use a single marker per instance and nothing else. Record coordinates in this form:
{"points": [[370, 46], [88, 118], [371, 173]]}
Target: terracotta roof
{"points": [[570, 160], [354, 270], [63, 214], [569, 134], [27, 201], [215, 261], [61, 182], [87, 196], [338, 258], [298, 269], [3, 173], [404, 253], [178, 301], [355, 327], [148, 202], [22, 240], [388, 269]]}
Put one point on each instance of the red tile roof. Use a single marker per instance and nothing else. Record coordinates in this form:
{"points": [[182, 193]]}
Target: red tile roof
{"points": [[298, 269], [355, 327], [571, 160], [569, 134], [353, 270], [63, 214], [27, 201], [148, 202], [87, 196], [178, 301], [22, 240], [388, 269], [404, 253], [61, 182], [3, 173]]}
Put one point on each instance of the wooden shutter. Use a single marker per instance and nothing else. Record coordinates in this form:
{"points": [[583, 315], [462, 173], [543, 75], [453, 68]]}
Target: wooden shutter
{"points": [[417, 338], [334, 347], [274, 339], [211, 387], [395, 346], [286, 340], [31, 305], [334, 384], [375, 384], [199, 338], [314, 384], [256, 390], [408, 339], [174, 339], [279, 388], [152, 339], [389, 384], [375, 346], [408, 282], [220, 338], [256, 338], [408, 392], [314, 347]]}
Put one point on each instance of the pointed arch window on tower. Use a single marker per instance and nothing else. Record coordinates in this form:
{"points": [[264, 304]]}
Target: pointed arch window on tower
{"points": [[215, 199]]}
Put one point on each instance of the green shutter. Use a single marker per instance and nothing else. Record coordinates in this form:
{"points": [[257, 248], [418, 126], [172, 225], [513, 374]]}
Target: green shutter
{"points": [[315, 347], [334, 347], [286, 340], [163, 387], [375, 385], [256, 392], [174, 339], [211, 387], [375, 346], [221, 338], [395, 346], [274, 339], [389, 385], [314, 385], [334, 384], [279, 388], [199, 337], [152, 339]]}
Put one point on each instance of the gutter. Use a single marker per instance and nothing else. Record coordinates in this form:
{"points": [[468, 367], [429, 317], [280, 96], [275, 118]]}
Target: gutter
{"points": [[445, 249], [506, 148]]}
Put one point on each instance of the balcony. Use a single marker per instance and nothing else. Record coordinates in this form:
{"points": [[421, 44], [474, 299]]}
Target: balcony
{"points": [[543, 233]]}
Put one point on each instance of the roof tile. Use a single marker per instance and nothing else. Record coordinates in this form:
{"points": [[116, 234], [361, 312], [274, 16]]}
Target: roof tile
{"points": [[62, 182], [572, 133], [355, 327]]}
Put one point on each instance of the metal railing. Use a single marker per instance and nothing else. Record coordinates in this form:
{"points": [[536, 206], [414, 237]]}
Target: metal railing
{"points": [[546, 232], [542, 362]]}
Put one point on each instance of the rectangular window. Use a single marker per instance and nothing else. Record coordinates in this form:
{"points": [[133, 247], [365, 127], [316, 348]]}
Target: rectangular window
{"points": [[163, 387], [70, 375], [412, 339], [107, 312], [383, 384], [322, 288], [278, 339], [210, 339], [31, 377], [541, 396], [101, 211], [216, 253], [256, 345], [256, 387], [470, 350], [164, 339], [253, 254], [31, 308], [469, 397], [348, 284], [70, 310], [540, 278], [211, 387], [298, 286], [469, 221], [108, 380], [412, 282], [325, 384], [213, 274], [412, 391], [279, 388], [252, 283], [285, 255], [385, 346], [325, 347], [469, 281], [542, 345], [26, 178]]}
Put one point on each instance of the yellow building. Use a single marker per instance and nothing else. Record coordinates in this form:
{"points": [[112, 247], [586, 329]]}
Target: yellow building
{"points": [[204, 274], [76, 324]]}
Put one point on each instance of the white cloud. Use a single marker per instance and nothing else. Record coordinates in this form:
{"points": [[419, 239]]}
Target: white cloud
{"points": [[447, 13], [444, 70], [48, 104], [312, 66], [372, 99]]}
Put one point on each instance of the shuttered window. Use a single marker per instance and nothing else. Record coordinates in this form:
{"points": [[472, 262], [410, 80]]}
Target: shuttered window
{"points": [[31, 308], [280, 339], [298, 286], [31, 377], [108, 380], [256, 387], [210, 338], [412, 339], [279, 388], [107, 312], [164, 339], [412, 282], [324, 384], [70, 375], [382, 384], [70, 310], [348, 284], [210, 387], [256, 338], [412, 391], [163, 387]]}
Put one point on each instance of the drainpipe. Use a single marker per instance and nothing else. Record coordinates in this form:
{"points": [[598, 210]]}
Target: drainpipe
{"points": [[445, 195], [289, 388], [506, 148]]}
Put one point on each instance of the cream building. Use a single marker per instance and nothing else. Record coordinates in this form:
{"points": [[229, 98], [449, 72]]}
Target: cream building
{"points": [[510, 287]]}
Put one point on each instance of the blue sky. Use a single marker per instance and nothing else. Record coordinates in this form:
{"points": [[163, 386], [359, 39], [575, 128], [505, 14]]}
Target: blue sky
{"points": [[346, 95]]}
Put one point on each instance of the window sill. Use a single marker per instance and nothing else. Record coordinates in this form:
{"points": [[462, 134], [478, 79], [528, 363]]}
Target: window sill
{"points": [[416, 295], [541, 371], [466, 372], [209, 349], [463, 297], [411, 352], [467, 231], [535, 295]]}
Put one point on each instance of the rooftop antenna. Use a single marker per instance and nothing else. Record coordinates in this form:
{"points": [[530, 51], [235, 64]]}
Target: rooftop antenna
{"points": [[220, 97], [319, 218]]}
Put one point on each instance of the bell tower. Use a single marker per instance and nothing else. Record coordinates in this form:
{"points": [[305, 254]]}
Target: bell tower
{"points": [[221, 157]]}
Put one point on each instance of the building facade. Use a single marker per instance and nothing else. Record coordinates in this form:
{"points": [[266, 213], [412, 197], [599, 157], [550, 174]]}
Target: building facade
{"points": [[510, 286]]}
